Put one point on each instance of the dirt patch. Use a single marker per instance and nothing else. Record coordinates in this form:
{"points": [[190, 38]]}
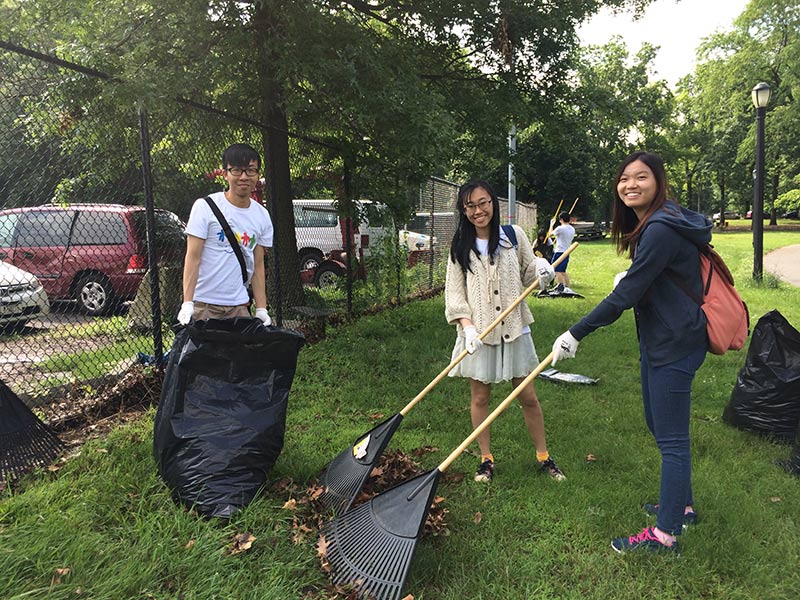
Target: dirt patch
{"points": [[82, 415]]}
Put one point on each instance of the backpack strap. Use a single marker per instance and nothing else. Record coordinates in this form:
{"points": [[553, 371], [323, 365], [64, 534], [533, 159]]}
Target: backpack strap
{"points": [[511, 234], [703, 250], [228, 234]]}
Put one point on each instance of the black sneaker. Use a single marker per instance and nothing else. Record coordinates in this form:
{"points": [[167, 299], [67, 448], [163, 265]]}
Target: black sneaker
{"points": [[646, 540], [485, 471], [559, 288], [551, 468], [689, 518]]}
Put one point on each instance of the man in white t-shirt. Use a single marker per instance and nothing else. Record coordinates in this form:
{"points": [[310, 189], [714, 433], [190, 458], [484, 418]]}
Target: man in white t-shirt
{"points": [[564, 235], [212, 275]]}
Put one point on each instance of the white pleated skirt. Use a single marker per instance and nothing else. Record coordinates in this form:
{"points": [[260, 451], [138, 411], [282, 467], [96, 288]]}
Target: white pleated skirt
{"points": [[492, 364]]}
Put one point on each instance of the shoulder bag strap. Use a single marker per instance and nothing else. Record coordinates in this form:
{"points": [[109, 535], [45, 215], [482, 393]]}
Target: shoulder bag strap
{"points": [[228, 234], [512, 235]]}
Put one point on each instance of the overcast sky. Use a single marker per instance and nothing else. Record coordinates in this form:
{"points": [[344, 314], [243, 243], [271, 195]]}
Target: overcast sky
{"points": [[677, 27]]}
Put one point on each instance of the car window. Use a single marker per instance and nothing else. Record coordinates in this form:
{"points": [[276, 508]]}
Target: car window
{"points": [[7, 224], [44, 228], [169, 228], [99, 229], [312, 216]]}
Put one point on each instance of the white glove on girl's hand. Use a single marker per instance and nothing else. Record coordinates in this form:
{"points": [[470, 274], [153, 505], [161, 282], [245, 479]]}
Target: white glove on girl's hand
{"points": [[565, 346], [619, 277], [472, 341], [545, 271], [186, 313], [261, 313]]}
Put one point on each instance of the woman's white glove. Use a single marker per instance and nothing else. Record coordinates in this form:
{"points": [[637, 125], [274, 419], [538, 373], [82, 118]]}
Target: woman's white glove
{"points": [[261, 313], [546, 273], [186, 313], [619, 277], [565, 346], [472, 340]]}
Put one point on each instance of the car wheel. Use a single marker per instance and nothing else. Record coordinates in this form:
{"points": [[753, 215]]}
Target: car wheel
{"points": [[328, 276], [94, 294], [310, 259]]}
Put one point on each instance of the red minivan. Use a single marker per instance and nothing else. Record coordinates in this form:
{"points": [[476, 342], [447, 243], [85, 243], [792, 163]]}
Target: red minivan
{"points": [[93, 253]]}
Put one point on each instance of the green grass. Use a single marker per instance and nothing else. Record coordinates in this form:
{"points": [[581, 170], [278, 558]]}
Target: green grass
{"points": [[106, 516]]}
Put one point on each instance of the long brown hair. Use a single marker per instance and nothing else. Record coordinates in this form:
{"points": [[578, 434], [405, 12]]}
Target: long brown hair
{"points": [[625, 225]]}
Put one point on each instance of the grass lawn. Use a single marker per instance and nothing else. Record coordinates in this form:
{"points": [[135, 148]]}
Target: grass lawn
{"points": [[104, 526]]}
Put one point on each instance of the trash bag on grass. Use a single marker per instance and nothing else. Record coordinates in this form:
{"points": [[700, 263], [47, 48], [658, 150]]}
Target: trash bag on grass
{"points": [[766, 397], [221, 418]]}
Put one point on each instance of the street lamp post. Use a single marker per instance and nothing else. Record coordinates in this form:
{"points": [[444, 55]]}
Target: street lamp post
{"points": [[760, 96]]}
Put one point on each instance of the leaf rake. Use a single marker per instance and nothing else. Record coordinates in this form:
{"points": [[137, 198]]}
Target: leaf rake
{"points": [[345, 475], [370, 547]]}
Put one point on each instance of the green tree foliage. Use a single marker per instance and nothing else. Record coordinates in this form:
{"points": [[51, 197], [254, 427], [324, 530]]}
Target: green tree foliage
{"points": [[764, 45]]}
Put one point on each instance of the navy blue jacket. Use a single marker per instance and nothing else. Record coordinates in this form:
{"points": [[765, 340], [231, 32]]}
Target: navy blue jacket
{"points": [[669, 323]]}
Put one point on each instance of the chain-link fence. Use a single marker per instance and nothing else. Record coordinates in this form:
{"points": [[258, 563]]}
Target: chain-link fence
{"points": [[94, 191]]}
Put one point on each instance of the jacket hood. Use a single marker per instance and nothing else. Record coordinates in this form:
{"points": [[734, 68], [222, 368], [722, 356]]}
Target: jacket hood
{"points": [[692, 225]]}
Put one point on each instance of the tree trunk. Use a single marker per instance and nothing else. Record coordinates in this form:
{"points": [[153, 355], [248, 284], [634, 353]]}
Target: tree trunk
{"points": [[283, 283]]}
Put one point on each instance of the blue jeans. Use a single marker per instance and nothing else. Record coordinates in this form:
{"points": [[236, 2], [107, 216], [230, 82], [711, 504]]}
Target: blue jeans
{"points": [[667, 396]]}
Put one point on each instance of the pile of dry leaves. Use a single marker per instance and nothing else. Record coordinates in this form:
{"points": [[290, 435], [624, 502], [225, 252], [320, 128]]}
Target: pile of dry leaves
{"points": [[82, 414], [393, 468]]}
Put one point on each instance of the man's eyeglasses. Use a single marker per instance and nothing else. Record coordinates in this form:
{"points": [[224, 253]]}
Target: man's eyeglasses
{"points": [[470, 207], [251, 171]]}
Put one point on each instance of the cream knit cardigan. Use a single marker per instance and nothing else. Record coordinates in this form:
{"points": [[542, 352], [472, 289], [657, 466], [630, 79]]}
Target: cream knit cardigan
{"points": [[484, 292]]}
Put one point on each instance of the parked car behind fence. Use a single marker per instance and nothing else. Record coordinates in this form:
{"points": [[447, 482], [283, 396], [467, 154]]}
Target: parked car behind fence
{"points": [[95, 254], [22, 296]]}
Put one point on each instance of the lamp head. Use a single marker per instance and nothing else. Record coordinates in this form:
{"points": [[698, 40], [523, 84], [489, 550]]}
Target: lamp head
{"points": [[760, 95]]}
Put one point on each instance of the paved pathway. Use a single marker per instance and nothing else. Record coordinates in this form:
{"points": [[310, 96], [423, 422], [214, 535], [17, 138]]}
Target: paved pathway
{"points": [[785, 264]]}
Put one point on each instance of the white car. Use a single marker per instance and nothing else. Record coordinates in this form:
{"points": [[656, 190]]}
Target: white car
{"points": [[22, 297]]}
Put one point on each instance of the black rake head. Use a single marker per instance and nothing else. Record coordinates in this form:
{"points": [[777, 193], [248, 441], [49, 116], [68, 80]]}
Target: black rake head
{"points": [[370, 547], [345, 475]]}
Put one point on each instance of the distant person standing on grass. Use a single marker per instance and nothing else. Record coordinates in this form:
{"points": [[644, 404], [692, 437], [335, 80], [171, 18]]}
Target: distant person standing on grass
{"points": [[212, 275], [564, 235], [662, 240], [485, 274]]}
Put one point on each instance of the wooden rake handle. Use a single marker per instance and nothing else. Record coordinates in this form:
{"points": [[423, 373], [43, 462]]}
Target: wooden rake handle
{"points": [[495, 413], [483, 334]]}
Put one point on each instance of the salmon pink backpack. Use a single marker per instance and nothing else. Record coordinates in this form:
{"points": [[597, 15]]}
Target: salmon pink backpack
{"points": [[728, 321]]}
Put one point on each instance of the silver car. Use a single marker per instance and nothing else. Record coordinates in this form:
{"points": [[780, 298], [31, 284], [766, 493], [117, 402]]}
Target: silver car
{"points": [[22, 297]]}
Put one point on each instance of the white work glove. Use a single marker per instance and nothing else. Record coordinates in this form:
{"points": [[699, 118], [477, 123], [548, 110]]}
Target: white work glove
{"points": [[471, 335], [186, 313], [261, 313], [565, 346], [619, 277], [546, 273]]}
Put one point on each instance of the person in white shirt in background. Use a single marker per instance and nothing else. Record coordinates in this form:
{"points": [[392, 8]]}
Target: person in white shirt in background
{"points": [[564, 235], [212, 275]]}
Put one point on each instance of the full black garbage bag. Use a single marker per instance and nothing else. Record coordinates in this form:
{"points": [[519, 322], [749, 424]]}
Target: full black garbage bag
{"points": [[766, 397], [221, 418]]}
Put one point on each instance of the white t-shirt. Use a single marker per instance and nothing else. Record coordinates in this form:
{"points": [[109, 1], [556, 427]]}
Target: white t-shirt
{"points": [[219, 280], [564, 236]]}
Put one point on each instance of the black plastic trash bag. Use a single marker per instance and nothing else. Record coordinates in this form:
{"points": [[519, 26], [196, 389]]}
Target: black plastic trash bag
{"points": [[221, 418], [766, 397]]}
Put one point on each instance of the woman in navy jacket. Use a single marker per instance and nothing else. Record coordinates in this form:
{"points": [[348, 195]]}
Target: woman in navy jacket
{"points": [[662, 241]]}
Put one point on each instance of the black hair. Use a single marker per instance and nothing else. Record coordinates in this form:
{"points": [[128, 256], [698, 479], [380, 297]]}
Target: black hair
{"points": [[464, 237], [240, 155], [564, 216]]}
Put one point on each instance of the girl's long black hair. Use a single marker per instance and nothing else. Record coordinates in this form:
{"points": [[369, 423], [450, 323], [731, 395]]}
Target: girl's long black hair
{"points": [[464, 237]]}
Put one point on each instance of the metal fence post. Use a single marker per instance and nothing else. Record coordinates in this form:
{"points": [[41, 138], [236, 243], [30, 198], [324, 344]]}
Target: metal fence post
{"points": [[152, 254]]}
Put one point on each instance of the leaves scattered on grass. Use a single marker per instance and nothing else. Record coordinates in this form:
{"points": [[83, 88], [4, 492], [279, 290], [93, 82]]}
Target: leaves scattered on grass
{"points": [[241, 542], [309, 514], [60, 573], [590, 458]]}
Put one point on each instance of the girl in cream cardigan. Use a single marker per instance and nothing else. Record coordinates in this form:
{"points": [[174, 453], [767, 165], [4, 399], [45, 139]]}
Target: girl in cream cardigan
{"points": [[485, 274]]}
